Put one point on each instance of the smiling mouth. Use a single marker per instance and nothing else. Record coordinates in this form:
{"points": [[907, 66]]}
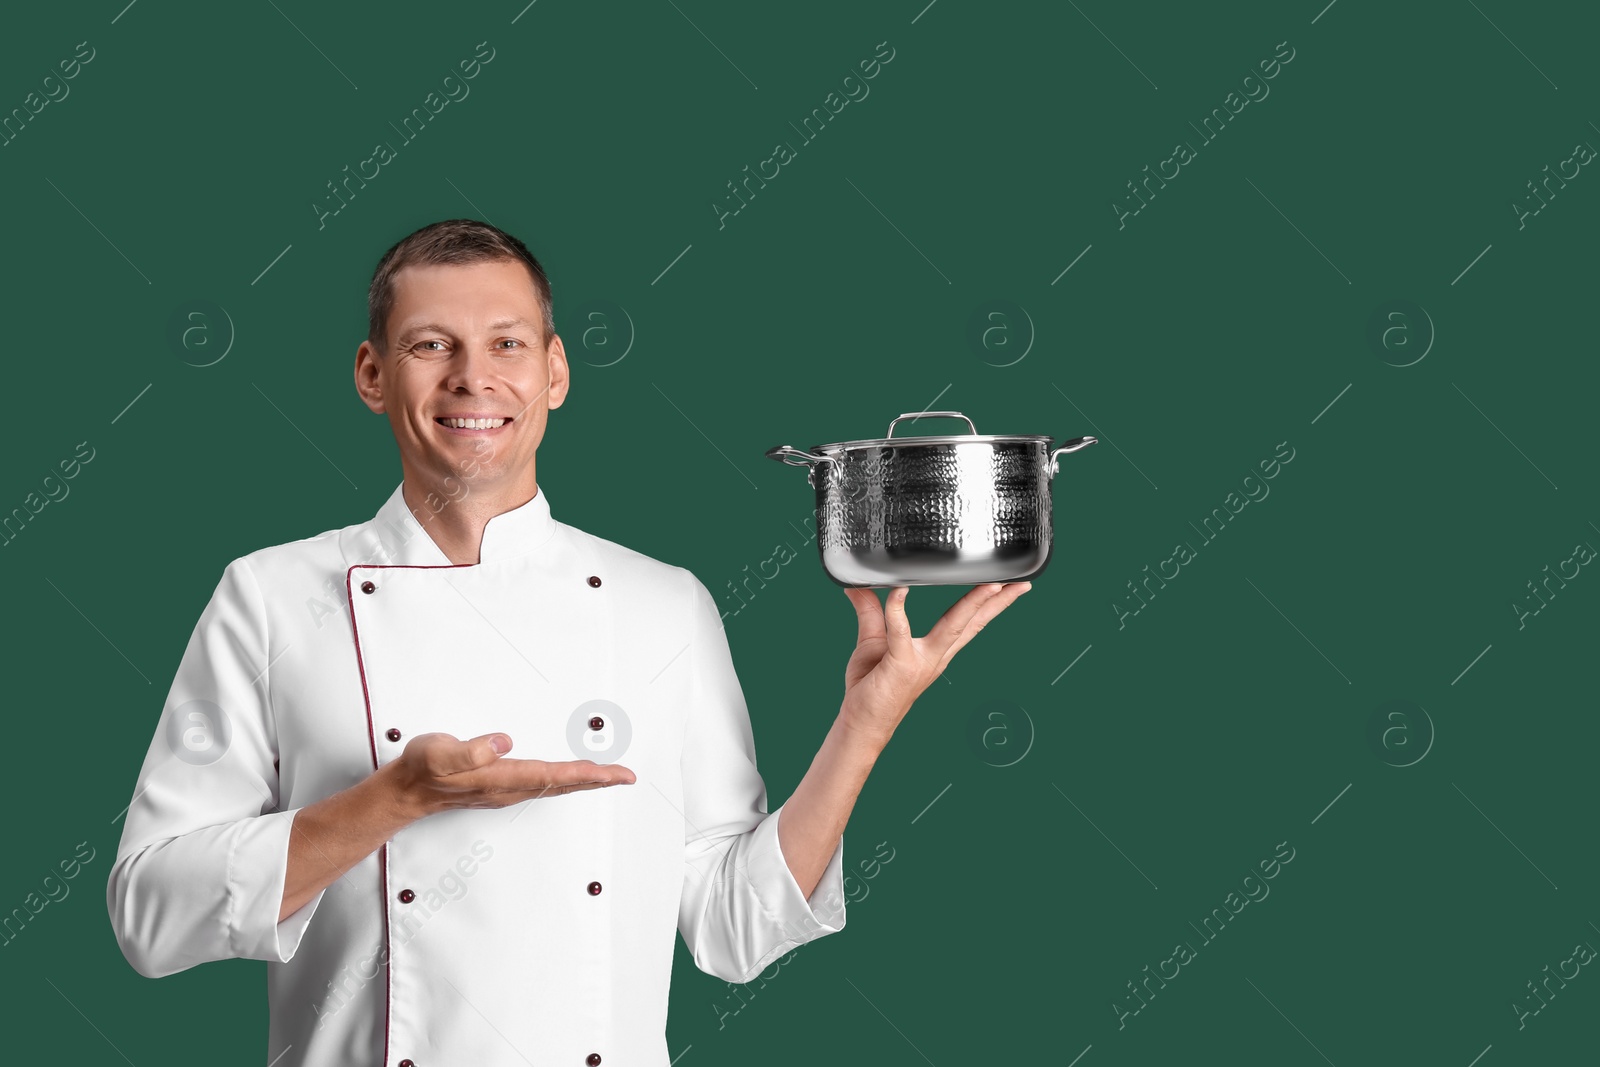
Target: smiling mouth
{"points": [[472, 424]]}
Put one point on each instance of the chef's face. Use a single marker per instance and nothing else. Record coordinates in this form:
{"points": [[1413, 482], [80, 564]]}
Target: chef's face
{"points": [[466, 342]]}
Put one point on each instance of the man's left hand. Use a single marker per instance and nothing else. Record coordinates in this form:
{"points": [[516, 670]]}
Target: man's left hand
{"points": [[890, 669]]}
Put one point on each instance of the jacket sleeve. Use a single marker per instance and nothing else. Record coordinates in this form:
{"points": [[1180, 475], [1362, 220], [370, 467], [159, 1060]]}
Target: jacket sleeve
{"points": [[741, 907], [200, 869]]}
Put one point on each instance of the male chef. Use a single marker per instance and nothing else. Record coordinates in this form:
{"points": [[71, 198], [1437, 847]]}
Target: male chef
{"points": [[332, 789]]}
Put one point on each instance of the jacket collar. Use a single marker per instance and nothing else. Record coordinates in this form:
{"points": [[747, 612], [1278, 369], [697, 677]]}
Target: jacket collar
{"points": [[401, 539]]}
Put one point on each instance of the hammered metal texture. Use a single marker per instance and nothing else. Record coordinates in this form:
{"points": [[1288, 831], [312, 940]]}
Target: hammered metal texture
{"points": [[943, 514]]}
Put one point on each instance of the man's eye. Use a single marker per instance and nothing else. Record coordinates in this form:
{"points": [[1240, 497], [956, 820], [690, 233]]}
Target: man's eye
{"points": [[510, 341], [425, 343]]}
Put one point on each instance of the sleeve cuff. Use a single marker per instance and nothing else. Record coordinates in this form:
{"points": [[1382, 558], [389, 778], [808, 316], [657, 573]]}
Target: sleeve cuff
{"points": [[258, 864], [804, 920]]}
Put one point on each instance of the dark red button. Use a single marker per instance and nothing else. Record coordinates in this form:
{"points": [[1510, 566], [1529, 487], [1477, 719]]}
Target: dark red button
{"points": [[597, 723], [594, 580], [594, 889], [407, 1063], [368, 587], [407, 896], [392, 734], [593, 1059]]}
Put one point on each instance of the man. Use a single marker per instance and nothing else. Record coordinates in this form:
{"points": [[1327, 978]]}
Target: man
{"points": [[308, 798]]}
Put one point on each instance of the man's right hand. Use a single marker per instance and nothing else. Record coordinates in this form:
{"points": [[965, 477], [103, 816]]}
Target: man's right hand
{"points": [[437, 772]]}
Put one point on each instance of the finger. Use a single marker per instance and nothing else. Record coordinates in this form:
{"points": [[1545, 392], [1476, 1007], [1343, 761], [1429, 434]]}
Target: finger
{"points": [[512, 797], [992, 607], [444, 755], [964, 619], [563, 790], [599, 777], [620, 775], [869, 614], [581, 772], [897, 624], [535, 778]]}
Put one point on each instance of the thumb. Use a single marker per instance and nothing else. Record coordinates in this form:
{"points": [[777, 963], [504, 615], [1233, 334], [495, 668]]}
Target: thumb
{"points": [[869, 613], [487, 748]]}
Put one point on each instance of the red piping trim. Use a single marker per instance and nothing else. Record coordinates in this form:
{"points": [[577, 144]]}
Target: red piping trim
{"points": [[372, 737]]}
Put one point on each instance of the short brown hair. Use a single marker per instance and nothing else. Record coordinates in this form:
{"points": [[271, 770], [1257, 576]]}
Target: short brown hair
{"points": [[450, 241]]}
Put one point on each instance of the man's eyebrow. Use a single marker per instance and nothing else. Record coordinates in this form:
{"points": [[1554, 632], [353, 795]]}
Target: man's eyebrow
{"points": [[433, 327]]}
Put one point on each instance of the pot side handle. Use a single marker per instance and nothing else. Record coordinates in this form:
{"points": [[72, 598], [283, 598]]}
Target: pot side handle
{"points": [[782, 453], [1071, 446]]}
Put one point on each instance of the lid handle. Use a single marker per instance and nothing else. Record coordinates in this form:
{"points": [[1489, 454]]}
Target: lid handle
{"points": [[931, 415]]}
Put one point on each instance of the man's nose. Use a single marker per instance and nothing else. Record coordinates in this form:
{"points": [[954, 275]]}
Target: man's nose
{"points": [[472, 369]]}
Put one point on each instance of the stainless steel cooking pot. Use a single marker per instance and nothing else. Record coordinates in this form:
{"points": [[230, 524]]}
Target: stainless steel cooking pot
{"points": [[965, 509]]}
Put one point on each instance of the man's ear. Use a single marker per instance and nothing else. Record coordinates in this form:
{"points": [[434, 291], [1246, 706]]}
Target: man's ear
{"points": [[368, 385], [560, 373]]}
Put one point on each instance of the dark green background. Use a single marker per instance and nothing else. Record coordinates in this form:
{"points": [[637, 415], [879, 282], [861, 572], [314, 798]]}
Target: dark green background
{"points": [[1198, 337]]}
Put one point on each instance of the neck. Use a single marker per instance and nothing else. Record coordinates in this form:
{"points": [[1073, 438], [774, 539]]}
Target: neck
{"points": [[455, 517]]}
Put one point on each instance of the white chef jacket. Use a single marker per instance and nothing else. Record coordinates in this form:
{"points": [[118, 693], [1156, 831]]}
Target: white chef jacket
{"points": [[538, 933]]}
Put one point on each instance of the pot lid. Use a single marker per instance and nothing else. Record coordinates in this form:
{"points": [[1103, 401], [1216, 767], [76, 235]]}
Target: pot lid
{"points": [[891, 441], [947, 439]]}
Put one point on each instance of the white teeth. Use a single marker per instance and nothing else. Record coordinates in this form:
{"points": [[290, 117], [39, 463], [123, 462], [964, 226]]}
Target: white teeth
{"points": [[474, 424]]}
